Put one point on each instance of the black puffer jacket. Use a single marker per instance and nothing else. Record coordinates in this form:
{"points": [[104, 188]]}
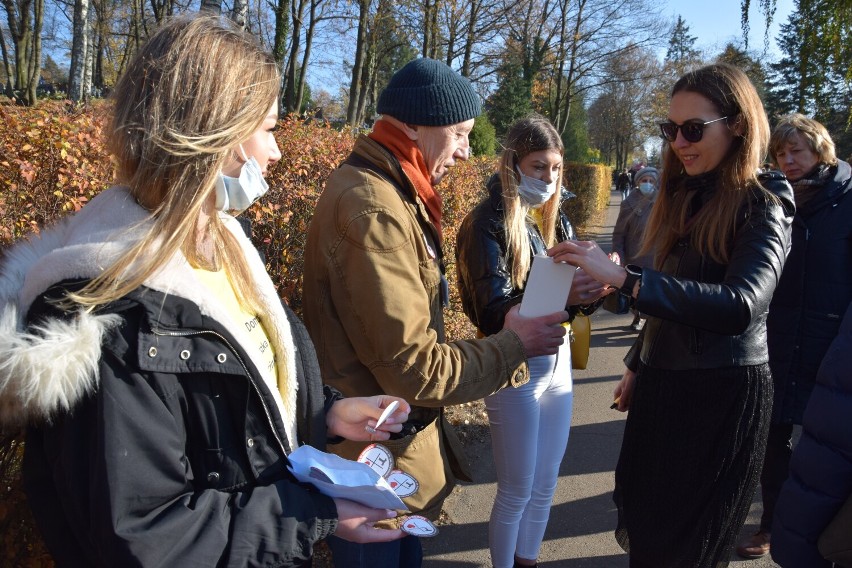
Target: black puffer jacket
{"points": [[813, 294], [482, 263], [706, 315], [821, 467], [153, 440]]}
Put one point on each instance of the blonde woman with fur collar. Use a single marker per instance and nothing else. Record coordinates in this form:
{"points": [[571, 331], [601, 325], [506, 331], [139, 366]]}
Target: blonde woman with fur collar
{"points": [[162, 382]]}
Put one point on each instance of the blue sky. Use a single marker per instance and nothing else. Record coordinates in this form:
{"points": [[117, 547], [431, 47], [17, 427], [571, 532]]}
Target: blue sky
{"points": [[716, 22]]}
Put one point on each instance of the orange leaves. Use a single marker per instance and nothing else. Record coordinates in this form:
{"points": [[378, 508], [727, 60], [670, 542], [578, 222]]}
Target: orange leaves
{"points": [[51, 163]]}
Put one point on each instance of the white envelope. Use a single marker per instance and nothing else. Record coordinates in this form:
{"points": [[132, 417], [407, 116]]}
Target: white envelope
{"points": [[547, 287], [344, 479]]}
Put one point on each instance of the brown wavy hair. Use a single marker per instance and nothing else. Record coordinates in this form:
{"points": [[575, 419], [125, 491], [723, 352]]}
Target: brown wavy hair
{"points": [[712, 229]]}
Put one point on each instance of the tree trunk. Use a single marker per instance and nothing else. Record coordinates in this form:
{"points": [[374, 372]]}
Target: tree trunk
{"points": [[79, 51], [572, 64], [239, 14], [9, 87], [90, 65], [470, 37], [34, 63], [367, 75], [282, 29], [297, 10], [309, 38], [210, 6], [358, 66]]}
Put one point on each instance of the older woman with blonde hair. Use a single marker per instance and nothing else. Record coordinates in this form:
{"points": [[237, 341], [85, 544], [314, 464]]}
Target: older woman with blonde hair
{"points": [[810, 301], [163, 382], [697, 383]]}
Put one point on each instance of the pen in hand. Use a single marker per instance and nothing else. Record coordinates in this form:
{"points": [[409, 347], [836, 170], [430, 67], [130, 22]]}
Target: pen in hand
{"points": [[384, 416]]}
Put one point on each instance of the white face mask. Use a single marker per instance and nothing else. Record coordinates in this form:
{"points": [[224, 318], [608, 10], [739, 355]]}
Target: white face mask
{"points": [[646, 187], [535, 192], [236, 194]]}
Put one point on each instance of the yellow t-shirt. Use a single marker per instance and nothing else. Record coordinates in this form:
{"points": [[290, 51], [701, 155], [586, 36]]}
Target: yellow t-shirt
{"points": [[251, 329]]}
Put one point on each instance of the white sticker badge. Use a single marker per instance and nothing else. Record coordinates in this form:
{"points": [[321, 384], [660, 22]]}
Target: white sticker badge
{"points": [[419, 526], [403, 484], [378, 457]]}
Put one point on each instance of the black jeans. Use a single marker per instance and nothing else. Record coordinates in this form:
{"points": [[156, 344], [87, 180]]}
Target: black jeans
{"points": [[776, 468]]}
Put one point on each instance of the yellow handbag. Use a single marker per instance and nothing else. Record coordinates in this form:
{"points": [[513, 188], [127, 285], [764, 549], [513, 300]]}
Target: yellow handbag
{"points": [[581, 335]]}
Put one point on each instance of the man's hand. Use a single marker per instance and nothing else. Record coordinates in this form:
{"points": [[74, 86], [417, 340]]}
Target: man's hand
{"points": [[540, 336], [355, 523]]}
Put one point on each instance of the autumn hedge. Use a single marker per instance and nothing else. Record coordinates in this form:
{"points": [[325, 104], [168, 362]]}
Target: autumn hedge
{"points": [[53, 162]]}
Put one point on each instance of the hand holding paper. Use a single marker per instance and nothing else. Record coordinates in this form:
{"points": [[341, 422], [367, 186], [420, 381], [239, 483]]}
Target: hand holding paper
{"points": [[547, 287], [345, 479]]}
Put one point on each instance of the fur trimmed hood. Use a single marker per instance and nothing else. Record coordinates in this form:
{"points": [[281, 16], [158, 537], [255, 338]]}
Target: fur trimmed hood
{"points": [[47, 368]]}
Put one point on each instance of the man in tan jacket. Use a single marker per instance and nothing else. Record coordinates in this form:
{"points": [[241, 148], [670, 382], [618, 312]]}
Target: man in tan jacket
{"points": [[374, 291]]}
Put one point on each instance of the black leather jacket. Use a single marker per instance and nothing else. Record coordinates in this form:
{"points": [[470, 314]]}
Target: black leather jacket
{"points": [[484, 275], [706, 315]]}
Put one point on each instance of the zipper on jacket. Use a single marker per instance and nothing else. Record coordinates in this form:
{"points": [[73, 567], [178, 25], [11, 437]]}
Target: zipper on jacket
{"points": [[266, 411]]}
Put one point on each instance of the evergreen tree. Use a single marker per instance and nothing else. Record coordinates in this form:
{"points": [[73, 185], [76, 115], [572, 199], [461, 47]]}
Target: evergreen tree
{"points": [[681, 45], [785, 81], [811, 76], [576, 135], [513, 97], [739, 58], [483, 138]]}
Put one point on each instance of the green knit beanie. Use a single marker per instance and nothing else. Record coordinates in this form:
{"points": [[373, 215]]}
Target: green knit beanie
{"points": [[427, 92]]}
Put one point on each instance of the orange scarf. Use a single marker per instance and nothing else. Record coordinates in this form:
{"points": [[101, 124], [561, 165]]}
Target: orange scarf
{"points": [[413, 164]]}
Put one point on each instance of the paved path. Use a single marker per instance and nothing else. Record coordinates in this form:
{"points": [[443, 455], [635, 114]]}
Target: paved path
{"points": [[583, 516]]}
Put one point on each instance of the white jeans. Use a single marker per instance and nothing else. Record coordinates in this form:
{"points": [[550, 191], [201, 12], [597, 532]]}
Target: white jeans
{"points": [[529, 433]]}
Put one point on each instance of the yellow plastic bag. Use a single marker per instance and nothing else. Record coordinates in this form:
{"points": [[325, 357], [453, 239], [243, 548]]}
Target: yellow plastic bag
{"points": [[581, 335]]}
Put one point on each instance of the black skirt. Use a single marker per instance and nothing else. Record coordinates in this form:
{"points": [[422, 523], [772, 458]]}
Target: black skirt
{"points": [[690, 463]]}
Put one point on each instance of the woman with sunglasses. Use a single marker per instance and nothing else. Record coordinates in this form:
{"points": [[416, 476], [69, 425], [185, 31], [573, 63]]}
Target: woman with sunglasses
{"points": [[697, 382]]}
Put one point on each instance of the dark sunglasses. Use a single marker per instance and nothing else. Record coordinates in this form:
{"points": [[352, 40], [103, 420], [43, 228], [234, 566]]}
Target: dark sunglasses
{"points": [[692, 131]]}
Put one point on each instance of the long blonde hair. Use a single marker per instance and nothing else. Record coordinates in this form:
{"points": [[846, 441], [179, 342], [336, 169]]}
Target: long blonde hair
{"points": [[192, 93], [712, 229], [530, 134]]}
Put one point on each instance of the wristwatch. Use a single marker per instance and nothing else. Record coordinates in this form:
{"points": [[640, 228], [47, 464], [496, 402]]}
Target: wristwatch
{"points": [[634, 274]]}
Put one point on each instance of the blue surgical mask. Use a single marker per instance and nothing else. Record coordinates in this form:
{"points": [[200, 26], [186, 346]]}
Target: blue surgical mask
{"points": [[534, 192], [236, 194], [646, 187]]}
